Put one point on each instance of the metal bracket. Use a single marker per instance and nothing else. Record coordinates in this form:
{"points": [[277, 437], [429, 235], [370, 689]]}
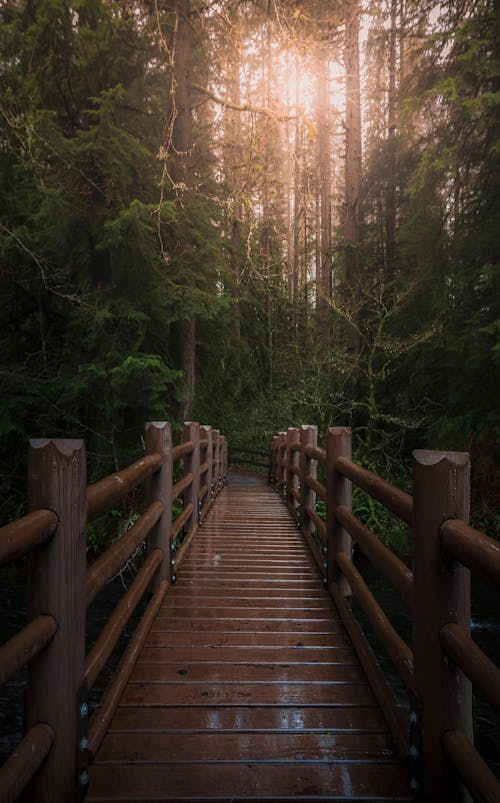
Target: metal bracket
{"points": [[415, 762], [82, 745]]}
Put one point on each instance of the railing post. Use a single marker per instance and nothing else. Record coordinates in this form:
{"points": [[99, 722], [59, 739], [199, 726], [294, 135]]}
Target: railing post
{"points": [[292, 437], [57, 480], [441, 596], [206, 433], [224, 462], [191, 432], [338, 492], [216, 462], [308, 436], [158, 439], [282, 464], [274, 461]]}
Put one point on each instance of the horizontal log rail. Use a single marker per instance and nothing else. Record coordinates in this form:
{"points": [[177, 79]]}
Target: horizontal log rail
{"points": [[472, 548], [115, 558], [102, 717], [318, 522], [463, 650], [22, 765], [316, 454], [25, 645], [181, 520], [107, 492], [182, 450], [391, 497], [436, 592], [316, 486], [393, 569], [473, 770], [23, 535], [181, 486], [400, 655], [45, 764], [97, 657]]}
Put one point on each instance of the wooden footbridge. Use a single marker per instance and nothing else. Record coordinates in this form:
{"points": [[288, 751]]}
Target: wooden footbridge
{"points": [[249, 677]]}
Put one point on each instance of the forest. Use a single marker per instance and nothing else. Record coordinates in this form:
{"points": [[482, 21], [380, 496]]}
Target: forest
{"points": [[255, 214]]}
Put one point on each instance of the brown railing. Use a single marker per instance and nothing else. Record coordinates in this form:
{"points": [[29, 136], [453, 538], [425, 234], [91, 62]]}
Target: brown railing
{"points": [[438, 674], [51, 760]]}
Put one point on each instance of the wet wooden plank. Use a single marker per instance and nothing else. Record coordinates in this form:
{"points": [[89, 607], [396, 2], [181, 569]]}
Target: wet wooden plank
{"points": [[248, 625], [246, 655], [220, 781], [175, 719], [321, 747], [303, 640], [216, 672], [262, 694]]}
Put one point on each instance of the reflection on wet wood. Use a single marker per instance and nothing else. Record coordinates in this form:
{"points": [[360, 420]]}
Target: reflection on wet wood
{"points": [[248, 687]]}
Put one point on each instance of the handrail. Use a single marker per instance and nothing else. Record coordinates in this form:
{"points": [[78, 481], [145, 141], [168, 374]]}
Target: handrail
{"points": [[182, 450], [313, 483], [110, 490], [25, 645], [315, 453], [97, 657], [480, 669], [438, 598], [23, 535], [22, 765], [115, 557], [181, 486], [400, 655], [472, 548], [391, 497], [46, 760], [394, 570]]}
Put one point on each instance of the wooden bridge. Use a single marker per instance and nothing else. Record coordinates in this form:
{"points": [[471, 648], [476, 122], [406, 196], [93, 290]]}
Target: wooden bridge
{"points": [[251, 678]]}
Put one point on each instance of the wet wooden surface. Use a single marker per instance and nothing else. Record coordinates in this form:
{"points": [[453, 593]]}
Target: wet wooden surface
{"points": [[247, 688]]}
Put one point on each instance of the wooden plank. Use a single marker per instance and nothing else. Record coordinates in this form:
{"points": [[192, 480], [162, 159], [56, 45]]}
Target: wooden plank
{"points": [[176, 719], [238, 639], [271, 654], [266, 747], [264, 694], [247, 672], [247, 625], [220, 781]]}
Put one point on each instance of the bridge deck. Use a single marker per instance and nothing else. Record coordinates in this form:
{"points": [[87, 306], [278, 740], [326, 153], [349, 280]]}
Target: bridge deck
{"points": [[248, 688]]}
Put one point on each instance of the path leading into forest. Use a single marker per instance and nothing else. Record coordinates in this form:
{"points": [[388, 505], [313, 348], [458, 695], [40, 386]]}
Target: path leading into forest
{"points": [[248, 687]]}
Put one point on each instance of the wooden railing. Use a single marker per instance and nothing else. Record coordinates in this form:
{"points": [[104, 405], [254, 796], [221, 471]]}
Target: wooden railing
{"points": [[50, 763], [438, 673]]}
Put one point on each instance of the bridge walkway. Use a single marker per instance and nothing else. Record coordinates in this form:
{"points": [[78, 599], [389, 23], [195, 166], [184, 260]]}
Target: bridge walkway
{"points": [[248, 687]]}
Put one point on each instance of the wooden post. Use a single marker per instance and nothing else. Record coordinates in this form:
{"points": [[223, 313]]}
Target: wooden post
{"points": [[338, 492], [308, 435], [191, 432], [158, 438], [224, 462], [216, 470], [274, 461], [281, 464], [206, 433], [441, 595], [292, 437], [57, 480]]}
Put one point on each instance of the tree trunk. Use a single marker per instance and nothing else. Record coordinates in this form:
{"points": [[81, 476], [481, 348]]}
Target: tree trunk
{"points": [[353, 146], [391, 146], [182, 141], [324, 196]]}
